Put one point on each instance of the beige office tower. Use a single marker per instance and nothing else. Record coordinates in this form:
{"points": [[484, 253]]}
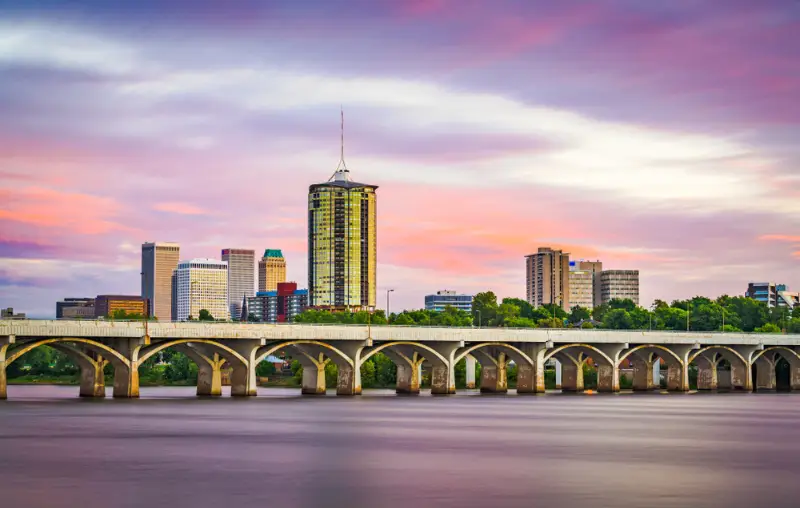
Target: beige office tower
{"points": [[584, 283], [620, 284], [241, 278], [271, 270], [159, 260], [202, 285], [547, 278]]}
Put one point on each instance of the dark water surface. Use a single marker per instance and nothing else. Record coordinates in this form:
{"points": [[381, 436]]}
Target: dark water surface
{"points": [[379, 450]]}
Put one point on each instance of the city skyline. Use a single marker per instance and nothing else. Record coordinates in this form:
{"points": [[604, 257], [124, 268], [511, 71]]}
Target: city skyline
{"points": [[655, 137]]}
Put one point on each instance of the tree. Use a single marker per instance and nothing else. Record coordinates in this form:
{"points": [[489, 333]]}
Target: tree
{"points": [[205, 315], [403, 319], [768, 328], [554, 310], [526, 310], [484, 308], [505, 312], [265, 369], [550, 323], [520, 322], [622, 303], [794, 324], [599, 312], [618, 319], [578, 314]]}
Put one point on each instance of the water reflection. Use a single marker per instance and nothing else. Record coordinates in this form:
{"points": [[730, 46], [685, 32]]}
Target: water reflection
{"points": [[379, 450]]}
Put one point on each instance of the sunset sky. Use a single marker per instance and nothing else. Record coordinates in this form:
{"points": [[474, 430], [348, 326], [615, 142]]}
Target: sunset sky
{"points": [[662, 136]]}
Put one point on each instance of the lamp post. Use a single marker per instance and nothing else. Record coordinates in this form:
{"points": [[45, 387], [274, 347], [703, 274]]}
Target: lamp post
{"points": [[387, 303], [479, 317], [688, 313]]}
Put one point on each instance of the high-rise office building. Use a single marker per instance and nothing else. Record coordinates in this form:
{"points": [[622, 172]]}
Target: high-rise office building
{"points": [[773, 294], [443, 299], [159, 260], [619, 284], [547, 278], [342, 242], [241, 278], [271, 270], [584, 282], [202, 284], [279, 306]]}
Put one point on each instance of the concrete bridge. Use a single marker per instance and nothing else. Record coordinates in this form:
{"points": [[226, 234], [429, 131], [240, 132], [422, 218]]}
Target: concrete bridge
{"points": [[126, 345]]}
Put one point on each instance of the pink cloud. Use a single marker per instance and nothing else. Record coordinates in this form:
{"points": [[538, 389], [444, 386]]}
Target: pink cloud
{"points": [[780, 238], [179, 208]]}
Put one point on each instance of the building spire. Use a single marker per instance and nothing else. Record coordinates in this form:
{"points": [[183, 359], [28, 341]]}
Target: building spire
{"points": [[341, 173]]}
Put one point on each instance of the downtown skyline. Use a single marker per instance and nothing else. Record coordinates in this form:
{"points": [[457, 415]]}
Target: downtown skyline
{"points": [[655, 137]]}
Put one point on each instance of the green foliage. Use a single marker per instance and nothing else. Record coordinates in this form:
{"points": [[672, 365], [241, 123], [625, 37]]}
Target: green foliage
{"points": [[484, 308], [587, 325], [181, 368], [769, 328], [550, 323], [363, 317], [123, 315], [205, 315], [794, 325], [618, 319], [265, 369], [578, 314], [331, 374], [625, 304]]}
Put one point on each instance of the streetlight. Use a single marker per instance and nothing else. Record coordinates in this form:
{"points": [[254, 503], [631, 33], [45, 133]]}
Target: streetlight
{"points": [[688, 313], [387, 303], [479, 318]]}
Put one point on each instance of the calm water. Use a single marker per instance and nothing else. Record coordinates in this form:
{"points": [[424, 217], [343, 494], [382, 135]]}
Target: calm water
{"points": [[379, 450]]}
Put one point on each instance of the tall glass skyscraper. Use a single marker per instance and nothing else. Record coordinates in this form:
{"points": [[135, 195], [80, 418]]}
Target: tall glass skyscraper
{"points": [[342, 243]]}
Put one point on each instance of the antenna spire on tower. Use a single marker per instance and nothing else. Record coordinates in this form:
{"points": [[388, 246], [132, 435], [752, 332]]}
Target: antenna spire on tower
{"points": [[341, 169]]}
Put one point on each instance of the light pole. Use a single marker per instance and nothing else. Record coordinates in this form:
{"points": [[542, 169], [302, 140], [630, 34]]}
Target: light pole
{"points": [[479, 317], [387, 303], [688, 313], [723, 320]]}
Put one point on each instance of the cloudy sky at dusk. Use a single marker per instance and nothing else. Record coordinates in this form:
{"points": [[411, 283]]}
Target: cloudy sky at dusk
{"points": [[660, 136]]}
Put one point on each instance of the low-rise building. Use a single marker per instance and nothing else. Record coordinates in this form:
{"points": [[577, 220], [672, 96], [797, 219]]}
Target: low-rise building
{"points": [[75, 308], [9, 314], [437, 302], [619, 284], [107, 305], [280, 306], [773, 294]]}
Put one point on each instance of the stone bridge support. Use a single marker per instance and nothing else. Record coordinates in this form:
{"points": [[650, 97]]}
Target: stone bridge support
{"points": [[443, 377], [608, 371], [494, 370], [314, 364], [348, 381], [643, 364], [243, 373], [126, 376], [470, 372], [4, 343], [678, 366], [571, 372], [409, 366], [707, 371], [92, 380], [209, 367], [765, 374]]}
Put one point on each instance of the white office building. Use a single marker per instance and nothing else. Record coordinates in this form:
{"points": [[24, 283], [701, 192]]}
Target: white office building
{"points": [[202, 284]]}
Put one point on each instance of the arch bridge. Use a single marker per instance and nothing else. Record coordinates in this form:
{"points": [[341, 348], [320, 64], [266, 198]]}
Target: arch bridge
{"points": [[724, 360]]}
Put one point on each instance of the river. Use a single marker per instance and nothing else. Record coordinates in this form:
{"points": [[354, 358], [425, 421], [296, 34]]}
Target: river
{"points": [[380, 450]]}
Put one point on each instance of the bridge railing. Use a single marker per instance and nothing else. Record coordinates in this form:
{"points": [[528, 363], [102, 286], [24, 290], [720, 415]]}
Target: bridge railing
{"points": [[382, 325]]}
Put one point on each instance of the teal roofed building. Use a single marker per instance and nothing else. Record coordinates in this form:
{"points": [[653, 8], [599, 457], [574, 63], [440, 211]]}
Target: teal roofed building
{"points": [[271, 270]]}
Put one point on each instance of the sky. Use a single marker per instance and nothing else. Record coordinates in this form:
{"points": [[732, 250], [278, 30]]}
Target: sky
{"points": [[658, 136]]}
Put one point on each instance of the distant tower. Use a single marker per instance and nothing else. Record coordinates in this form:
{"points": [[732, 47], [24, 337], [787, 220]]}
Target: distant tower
{"points": [[241, 278], [271, 270], [342, 241], [159, 260]]}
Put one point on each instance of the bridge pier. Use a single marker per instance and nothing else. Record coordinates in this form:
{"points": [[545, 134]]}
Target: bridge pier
{"points": [[314, 382], [93, 383], [765, 374], [571, 376], [346, 382], [3, 380], [494, 371], [470, 378], [440, 380], [607, 378], [707, 373], [559, 374], [209, 376], [126, 381], [677, 379], [643, 373], [407, 379]]}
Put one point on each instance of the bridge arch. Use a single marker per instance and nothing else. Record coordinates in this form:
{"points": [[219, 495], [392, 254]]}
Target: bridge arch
{"points": [[729, 351], [113, 355], [269, 349], [641, 347], [224, 350], [416, 345], [787, 353], [516, 354], [563, 349]]}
